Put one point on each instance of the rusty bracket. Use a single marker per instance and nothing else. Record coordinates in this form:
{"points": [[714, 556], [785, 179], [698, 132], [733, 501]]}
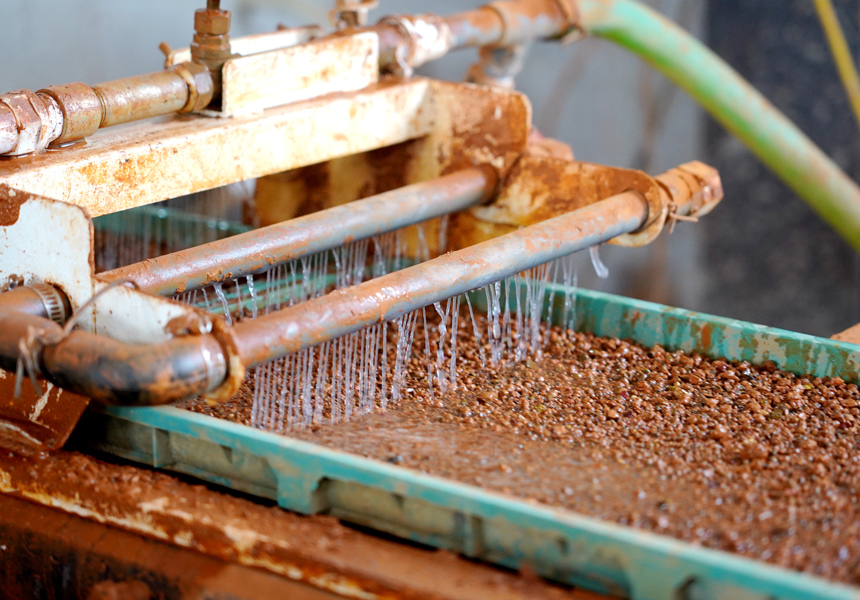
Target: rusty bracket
{"points": [[541, 187]]}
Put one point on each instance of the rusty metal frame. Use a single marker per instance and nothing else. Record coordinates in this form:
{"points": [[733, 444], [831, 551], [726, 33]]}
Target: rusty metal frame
{"points": [[114, 170]]}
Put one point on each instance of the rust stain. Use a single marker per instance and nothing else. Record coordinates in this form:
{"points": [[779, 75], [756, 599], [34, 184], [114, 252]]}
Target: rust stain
{"points": [[705, 335], [10, 205]]}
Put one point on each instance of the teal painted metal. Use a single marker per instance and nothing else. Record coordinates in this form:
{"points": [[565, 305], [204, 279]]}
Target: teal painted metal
{"points": [[168, 224], [559, 544]]}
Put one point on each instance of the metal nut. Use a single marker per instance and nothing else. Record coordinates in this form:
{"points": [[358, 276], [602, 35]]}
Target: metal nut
{"points": [[200, 87], [38, 119], [212, 22], [8, 130], [81, 107]]}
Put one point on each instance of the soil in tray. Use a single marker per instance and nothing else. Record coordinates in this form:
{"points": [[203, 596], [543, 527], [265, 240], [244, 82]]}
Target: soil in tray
{"points": [[726, 455]]}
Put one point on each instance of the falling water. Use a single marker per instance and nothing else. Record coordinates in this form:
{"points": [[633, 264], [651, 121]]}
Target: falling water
{"points": [[252, 290], [219, 293], [353, 375], [598, 265]]}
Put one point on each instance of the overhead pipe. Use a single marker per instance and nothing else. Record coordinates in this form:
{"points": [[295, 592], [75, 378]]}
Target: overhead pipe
{"points": [[253, 251], [387, 297]]}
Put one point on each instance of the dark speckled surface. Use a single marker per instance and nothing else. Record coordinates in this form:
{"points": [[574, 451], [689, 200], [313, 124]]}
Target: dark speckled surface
{"points": [[770, 259]]}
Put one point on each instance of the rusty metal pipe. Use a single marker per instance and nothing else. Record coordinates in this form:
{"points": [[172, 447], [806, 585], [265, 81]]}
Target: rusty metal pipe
{"points": [[388, 297], [29, 121], [254, 251], [509, 22], [135, 374], [39, 300], [141, 97], [146, 374], [414, 40], [114, 372]]}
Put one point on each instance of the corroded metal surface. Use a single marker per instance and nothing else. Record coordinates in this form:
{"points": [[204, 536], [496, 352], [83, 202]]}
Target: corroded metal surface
{"points": [[505, 23], [210, 45], [116, 169], [279, 77], [318, 551], [42, 241], [107, 563], [29, 122], [71, 112], [104, 369]]}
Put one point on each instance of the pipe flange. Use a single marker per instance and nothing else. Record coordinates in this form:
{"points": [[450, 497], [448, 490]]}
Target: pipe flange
{"points": [[235, 369]]}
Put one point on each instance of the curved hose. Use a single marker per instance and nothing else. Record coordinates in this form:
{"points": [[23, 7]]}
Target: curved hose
{"points": [[734, 103]]}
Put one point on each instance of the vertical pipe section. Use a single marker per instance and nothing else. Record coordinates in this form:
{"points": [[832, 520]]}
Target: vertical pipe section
{"points": [[256, 250], [735, 104], [390, 296]]}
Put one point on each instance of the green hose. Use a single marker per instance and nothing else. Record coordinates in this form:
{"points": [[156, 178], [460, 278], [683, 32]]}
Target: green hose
{"points": [[735, 104]]}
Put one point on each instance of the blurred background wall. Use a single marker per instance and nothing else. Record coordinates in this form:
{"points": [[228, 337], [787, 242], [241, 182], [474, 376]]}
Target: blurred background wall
{"points": [[762, 256]]}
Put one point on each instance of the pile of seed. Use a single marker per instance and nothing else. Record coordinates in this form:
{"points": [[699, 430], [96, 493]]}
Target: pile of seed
{"points": [[723, 454]]}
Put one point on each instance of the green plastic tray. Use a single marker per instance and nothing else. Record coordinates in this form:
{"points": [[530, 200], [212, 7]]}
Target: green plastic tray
{"points": [[561, 545]]}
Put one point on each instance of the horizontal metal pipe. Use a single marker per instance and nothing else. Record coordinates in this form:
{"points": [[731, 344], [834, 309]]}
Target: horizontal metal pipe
{"points": [[141, 97], [145, 374], [253, 251], [417, 39], [388, 297], [25, 300], [136, 374], [509, 22], [114, 372]]}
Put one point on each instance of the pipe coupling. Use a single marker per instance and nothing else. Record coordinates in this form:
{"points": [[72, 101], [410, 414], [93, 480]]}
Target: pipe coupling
{"points": [[82, 110], [37, 121], [526, 20], [200, 85], [424, 38]]}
